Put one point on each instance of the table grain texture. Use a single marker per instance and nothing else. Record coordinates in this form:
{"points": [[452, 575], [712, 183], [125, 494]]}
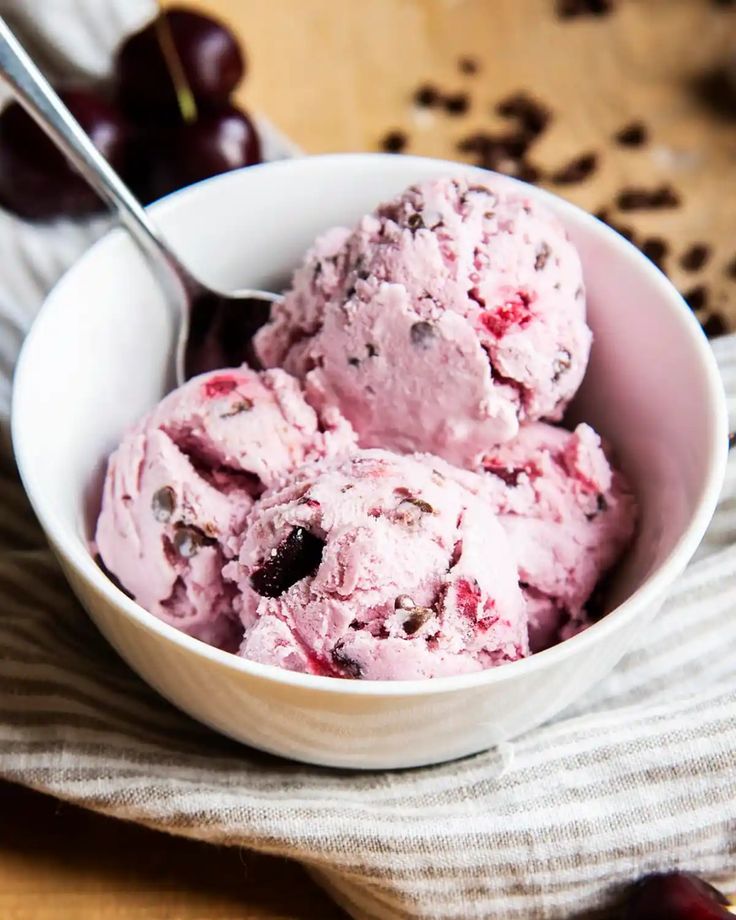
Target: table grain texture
{"points": [[339, 75]]}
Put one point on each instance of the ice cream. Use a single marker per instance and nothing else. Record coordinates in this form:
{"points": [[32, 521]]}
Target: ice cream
{"points": [[181, 484], [379, 567], [441, 321], [569, 515]]}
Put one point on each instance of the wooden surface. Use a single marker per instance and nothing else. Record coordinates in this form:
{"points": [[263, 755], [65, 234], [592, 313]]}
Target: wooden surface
{"points": [[337, 76]]}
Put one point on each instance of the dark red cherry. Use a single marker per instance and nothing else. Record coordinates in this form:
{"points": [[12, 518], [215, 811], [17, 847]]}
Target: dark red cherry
{"points": [[210, 56], [36, 180], [675, 896], [215, 143]]}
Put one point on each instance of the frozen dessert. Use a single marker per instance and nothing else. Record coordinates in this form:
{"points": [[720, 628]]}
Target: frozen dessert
{"points": [[179, 488], [441, 321], [569, 515], [379, 566], [401, 507]]}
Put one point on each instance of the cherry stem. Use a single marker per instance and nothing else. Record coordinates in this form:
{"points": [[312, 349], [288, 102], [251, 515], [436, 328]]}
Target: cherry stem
{"points": [[184, 94]]}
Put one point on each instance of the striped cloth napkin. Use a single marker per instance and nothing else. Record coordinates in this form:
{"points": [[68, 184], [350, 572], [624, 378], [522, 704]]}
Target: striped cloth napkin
{"points": [[640, 775]]}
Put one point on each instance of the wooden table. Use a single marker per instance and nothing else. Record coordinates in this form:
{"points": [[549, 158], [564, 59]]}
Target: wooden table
{"points": [[338, 75]]}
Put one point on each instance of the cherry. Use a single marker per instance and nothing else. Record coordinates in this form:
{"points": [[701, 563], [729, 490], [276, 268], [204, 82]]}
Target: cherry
{"points": [[215, 143], [36, 180], [675, 896], [210, 56], [297, 556]]}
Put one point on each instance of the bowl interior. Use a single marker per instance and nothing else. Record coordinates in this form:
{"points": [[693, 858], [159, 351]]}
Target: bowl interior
{"points": [[94, 361]]}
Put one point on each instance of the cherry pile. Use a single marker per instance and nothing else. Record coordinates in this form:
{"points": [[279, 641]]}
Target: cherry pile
{"points": [[166, 122]]}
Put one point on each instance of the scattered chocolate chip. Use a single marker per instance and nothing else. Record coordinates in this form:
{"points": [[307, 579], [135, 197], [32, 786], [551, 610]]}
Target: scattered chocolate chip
{"points": [[456, 103], [655, 248], [695, 257], [468, 65], [242, 405], [527, 172], [423, 334], [714, 325], [416, 619], [347, 665], [562, 364], [296, 557], [426, 96], [357, 625], [163, 504], [188, 540], [414, 221], [696, 297], [543, 254], [394, 142], [731, 269], [354, 362], [532, 115], [372, 350], [404, 602], [570, 9], [577, 170], [635, 134], [641, 199], [724, 3], [731, 441]]}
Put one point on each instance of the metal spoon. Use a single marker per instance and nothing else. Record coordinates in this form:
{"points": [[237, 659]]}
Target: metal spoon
{"points": [[215, 328]]}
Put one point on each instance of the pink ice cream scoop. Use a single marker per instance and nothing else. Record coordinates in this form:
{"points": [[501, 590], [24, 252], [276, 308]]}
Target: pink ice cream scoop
{"points": [[379, 566], [569, 516], [441, 321], [181, 484]]}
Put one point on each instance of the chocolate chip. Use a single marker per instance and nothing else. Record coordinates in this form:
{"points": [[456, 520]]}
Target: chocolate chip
{"points": [[394, 142], [372, 350], [421, 504], [415, 222], [732, 440], [416, 619], [242, 405], [570, 9], [576, 170], [295, 558], [731, 268], [422, 335], [697, 297], [527, 172], [562, 364], [641, 199], [714, 325], [634, 134], [695, 257], [655, 248], [354, 362], [163, 504], [188, 540], [349, 667], [543, 254], [404, 602], [456, 103], [531, 114], [426, 96], [468, 65]]}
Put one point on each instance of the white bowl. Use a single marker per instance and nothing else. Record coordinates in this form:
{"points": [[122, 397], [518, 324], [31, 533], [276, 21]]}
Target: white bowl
{"points": [[95, 361]]}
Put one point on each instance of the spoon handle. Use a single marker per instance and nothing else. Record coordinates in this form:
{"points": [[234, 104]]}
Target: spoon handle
{"points": [[41, 101]]}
